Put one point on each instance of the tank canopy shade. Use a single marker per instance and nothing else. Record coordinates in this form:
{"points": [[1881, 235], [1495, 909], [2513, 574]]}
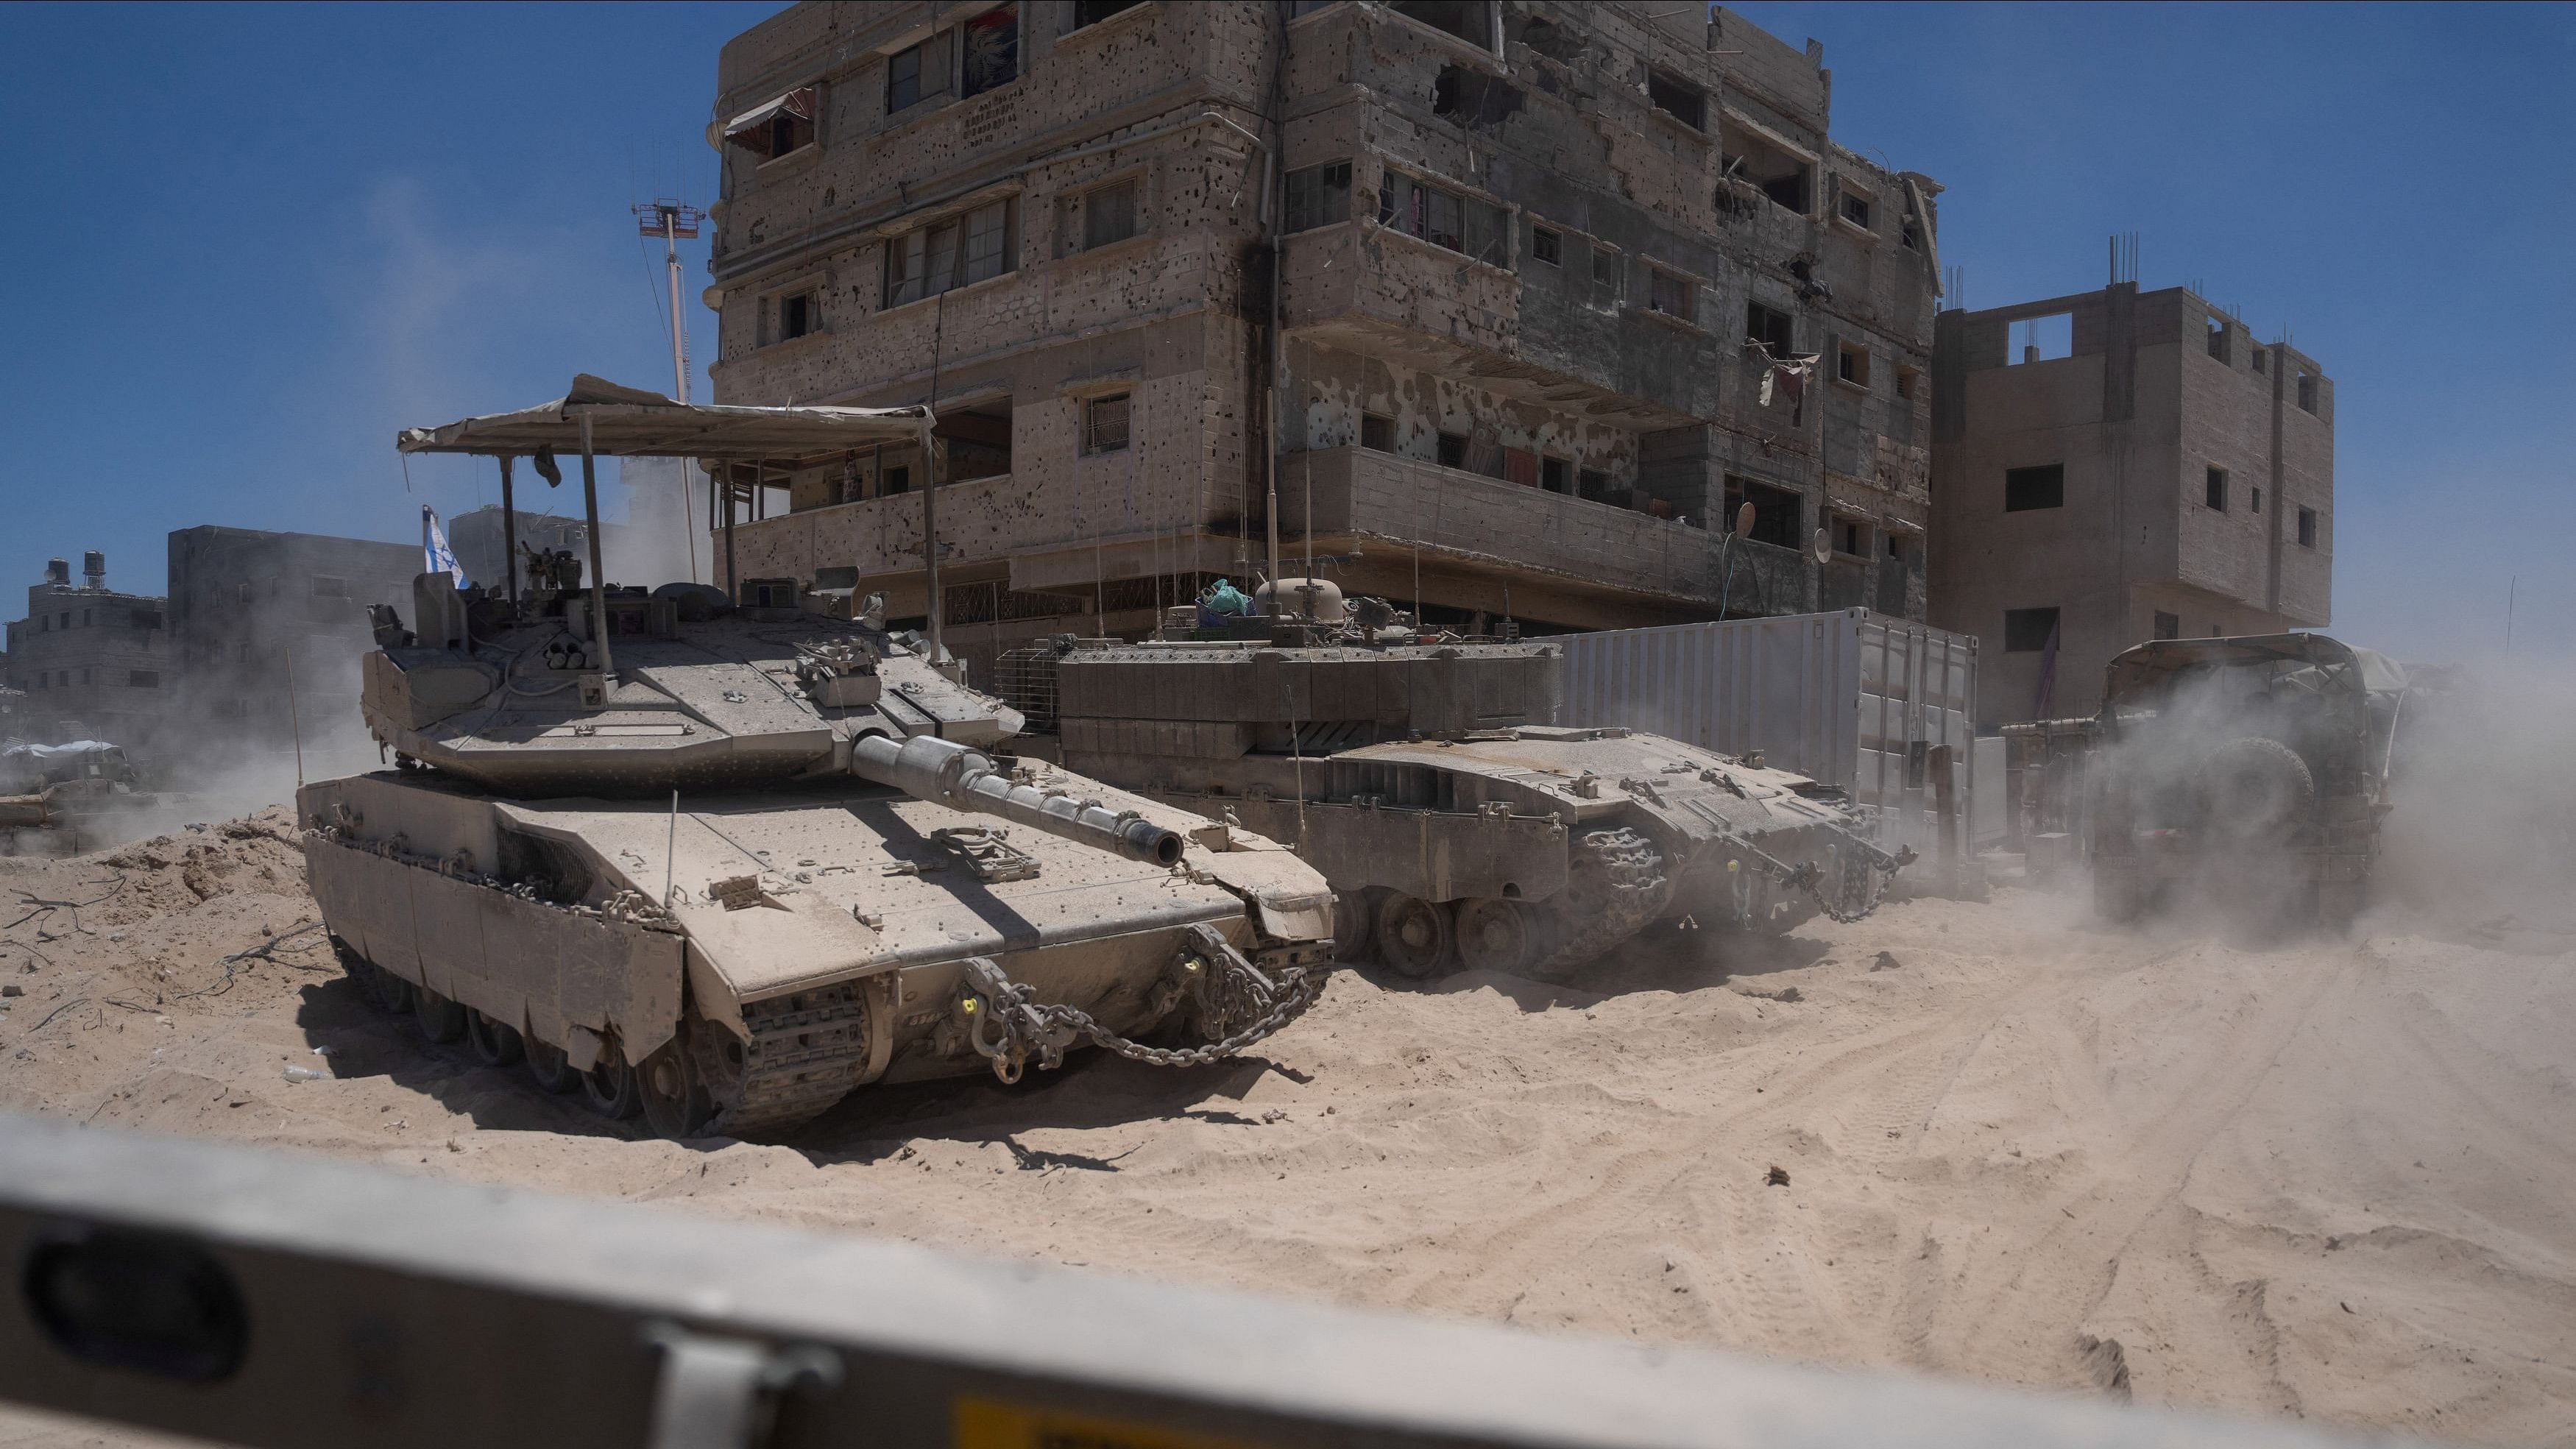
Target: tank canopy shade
{"points": [[628, 422]]}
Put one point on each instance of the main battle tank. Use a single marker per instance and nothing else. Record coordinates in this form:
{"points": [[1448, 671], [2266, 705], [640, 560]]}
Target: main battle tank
{"points": [[721, 865], [1429, 781]]}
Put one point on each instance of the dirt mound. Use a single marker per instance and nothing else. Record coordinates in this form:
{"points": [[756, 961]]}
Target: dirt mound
{"points": [[2323, 1178]]}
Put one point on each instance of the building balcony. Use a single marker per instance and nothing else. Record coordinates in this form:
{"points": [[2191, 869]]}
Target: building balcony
{"points": [[1566, 560]]}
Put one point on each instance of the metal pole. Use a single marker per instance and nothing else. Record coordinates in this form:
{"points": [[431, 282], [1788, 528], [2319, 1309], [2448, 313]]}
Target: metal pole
{"points": [[733, 576], [509, 538], [598, 591], [294, 717], [670, 845], [671, 254], [930, 471]]}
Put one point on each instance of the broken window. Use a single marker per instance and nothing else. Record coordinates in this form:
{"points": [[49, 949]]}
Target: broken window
{"points": [[992, 50], [1605, 276], [798, 314], [1855, 209], [1453, 450], [1092, 12], [2040, 339], [2026, 489], [1319, 195], [1556, 475], [903, 79], [1671, 294], [773, 129], [1678, 99], [895, 479], [1377, 433], [143, 679], [2217, 340], [1593, 484], [2168, 626], [1769, 327], [2307, 528], [1851, 363], [1778, 173], [2213, 490], [2028, 631], [1779, 516], [2308, 392], [1108, 214], [1470, 20], [1104, 424], [1547, 246], [1444, 218]]}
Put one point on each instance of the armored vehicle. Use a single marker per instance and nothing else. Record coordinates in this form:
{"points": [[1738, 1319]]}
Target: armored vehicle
{"points": [[1427, 777], [62, 799], [720, 864], [2257, 764]]}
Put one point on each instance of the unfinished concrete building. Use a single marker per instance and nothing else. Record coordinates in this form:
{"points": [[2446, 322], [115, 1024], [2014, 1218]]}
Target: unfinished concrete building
{"points": [[269, 631], [1548, 279], [2120, 466], [93, 663]]}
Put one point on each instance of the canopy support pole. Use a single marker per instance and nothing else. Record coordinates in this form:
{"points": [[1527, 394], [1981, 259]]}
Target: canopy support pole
{"points": [[733, 500], [590, 516], [509, 539], [930, 539]]}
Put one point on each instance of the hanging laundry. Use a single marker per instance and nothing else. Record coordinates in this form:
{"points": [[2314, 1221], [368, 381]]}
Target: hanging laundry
{"points": [[1788, 378]]}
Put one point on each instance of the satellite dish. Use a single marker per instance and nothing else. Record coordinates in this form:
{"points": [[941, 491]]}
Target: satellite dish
{"points": [[1824, 546], [1744, 521]]}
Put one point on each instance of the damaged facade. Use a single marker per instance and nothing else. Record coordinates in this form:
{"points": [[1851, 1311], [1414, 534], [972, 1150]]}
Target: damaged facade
{"points": [[1547, 275], [269, 630], [2118, 466], [92, 663]]}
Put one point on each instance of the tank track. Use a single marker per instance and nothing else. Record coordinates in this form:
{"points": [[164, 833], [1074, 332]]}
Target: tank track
{"points": [[1615, 885], [807, 1051]]}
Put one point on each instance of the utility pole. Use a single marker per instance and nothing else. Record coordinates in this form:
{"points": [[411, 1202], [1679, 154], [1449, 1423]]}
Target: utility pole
{"points": [[672, 220]]}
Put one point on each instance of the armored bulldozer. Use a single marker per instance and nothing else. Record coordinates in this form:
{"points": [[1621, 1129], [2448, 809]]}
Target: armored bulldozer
{"points": [[1459, 824], [720, 865], [2256, 767]]}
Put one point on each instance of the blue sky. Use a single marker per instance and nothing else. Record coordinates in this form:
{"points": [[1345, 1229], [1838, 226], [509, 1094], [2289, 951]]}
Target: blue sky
{"points": [[250, 243]]}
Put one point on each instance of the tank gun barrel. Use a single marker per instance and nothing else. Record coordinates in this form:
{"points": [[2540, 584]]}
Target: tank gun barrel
{"points": [[953, 775]]}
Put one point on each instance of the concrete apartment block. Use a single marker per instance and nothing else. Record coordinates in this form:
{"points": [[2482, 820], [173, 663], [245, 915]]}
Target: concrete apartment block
{"points": [[93, 663], [247, 606], [2167, 475], [1537, 259]]}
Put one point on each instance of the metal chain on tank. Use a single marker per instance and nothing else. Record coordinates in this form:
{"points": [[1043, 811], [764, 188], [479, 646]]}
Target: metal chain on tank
{"points": [[1234, 989], [1874, 867]]}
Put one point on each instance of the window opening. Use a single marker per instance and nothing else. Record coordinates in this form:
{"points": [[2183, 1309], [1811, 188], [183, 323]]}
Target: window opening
{"points": [[2218, 349], [1779, 515], [1855, 209], [1671, 294], [931, 259], [1469, 20], [1319, 195], [1377, 433], [2213, 492], [1555, 475], [1104, 424], [1108, 214], [1443, 218], [1453, 450], [1851, 363], [1781, 175], [1847, 537], [2308, 392], [2042, 339], [2168, 626], [2262, 360], [2307, 528], [903, 79], [1896, 546], [1770, 327], [992, 50], [2254, 504], [1678, 99], [1547, 246], [796, 315], [2027, 631], [771, 131], [1593, 484], [1905, 382], [2026, 489], [1092, 12], [1605, 276]]}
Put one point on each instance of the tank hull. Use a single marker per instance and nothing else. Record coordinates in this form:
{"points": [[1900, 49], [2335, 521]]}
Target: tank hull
{"points": [[782, 948]]}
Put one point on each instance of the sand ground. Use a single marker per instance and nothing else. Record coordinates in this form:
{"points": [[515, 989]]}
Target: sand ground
{"points": [[2327, 1178]]}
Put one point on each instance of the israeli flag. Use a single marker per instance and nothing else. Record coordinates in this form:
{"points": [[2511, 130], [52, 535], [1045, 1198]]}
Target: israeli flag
{"points": [[436, 556]]}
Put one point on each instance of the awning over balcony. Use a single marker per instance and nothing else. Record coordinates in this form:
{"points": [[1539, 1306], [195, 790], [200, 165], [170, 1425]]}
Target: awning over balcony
{"points": [[798, 103], [629, 422]]}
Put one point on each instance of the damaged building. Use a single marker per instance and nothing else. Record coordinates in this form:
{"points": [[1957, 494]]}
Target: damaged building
{"points": [[91, 662], [1523, 299], [2119, 466]]}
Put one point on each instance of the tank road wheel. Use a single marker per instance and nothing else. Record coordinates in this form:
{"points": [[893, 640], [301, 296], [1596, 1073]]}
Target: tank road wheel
{"points": [[1495, 935], [1413, 935], [1352, 924], [440, 1019], [547, 1065], [676, 1103], [386, 991], [497, 1043], [612, 1089], [1614, 885]]}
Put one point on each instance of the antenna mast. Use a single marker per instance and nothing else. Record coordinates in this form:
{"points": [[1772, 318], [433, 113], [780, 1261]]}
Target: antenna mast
{"points": [[672, 220]]}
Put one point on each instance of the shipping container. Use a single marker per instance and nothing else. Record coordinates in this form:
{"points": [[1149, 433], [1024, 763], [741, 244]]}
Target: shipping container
{"points": [[1853, 698]]}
